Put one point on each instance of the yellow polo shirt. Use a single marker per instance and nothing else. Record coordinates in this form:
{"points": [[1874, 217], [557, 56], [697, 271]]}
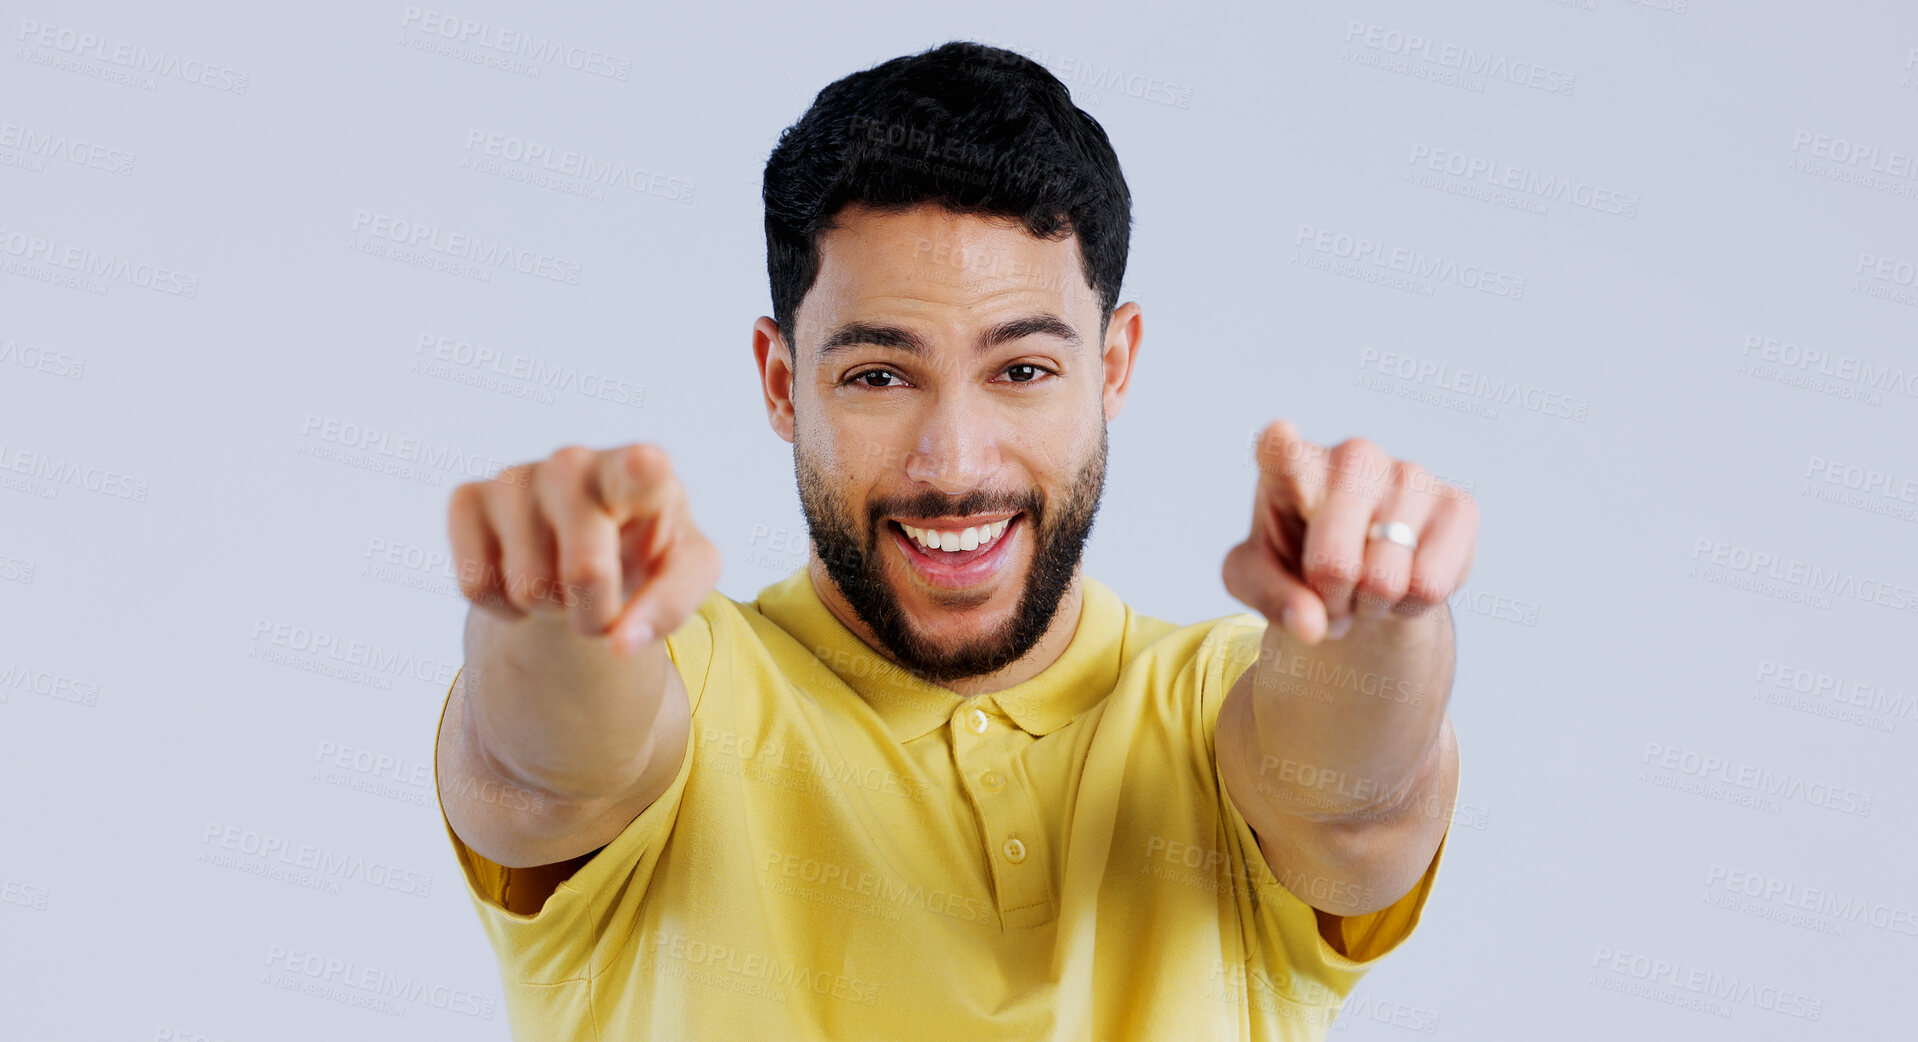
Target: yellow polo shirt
{"points": [[850, 853]]}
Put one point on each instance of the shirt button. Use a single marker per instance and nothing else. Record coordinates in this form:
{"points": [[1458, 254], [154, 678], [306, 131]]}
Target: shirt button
{"points": [[1015, 851], [991, 782], [977, 721]]}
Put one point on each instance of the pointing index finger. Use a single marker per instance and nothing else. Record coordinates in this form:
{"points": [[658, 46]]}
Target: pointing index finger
{"points": [[634, 482], [1291, 469]]}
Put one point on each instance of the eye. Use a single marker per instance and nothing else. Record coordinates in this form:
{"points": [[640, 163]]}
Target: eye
{"points": [[864, 375], [1033, 370]]}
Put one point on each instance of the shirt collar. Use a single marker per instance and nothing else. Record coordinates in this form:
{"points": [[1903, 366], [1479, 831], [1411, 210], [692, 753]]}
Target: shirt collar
{"points": [[910, 707]]}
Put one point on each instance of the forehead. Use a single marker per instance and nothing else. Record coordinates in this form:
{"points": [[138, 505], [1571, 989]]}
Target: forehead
{"points": [[940, 269]]}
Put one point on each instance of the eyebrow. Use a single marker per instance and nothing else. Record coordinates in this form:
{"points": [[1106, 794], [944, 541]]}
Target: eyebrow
{"points": [[874, 334]]}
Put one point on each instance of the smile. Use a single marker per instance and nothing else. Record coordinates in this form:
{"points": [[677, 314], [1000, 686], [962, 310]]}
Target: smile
{"points": [[956, 557]]}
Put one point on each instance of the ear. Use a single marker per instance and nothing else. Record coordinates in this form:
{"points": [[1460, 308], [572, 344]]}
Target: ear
{"points": [[1124, 333], [775, 375]]}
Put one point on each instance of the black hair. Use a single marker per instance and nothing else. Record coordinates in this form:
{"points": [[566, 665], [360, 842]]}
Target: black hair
{"points": [[975, 128]]}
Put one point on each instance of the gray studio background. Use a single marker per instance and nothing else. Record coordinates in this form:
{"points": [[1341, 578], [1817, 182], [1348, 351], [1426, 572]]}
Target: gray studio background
{"points": [[1681, 234]]}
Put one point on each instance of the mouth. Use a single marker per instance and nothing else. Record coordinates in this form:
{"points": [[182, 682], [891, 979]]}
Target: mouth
{"points": [[980, 548]]}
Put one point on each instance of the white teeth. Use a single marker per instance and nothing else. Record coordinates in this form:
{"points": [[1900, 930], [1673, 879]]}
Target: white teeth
{"points": [[969, 539]]}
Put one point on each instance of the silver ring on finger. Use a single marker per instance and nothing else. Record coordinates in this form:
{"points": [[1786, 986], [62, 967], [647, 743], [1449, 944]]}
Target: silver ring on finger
{"points": [[1394, 532]]}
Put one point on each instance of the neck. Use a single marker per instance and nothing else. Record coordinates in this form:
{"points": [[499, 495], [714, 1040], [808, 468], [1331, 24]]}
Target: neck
{"points": [[1058, 635]]}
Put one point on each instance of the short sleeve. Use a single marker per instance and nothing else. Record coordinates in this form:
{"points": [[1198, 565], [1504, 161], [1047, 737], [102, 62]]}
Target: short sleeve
{"points": [[587, 916], [1288, 933]]}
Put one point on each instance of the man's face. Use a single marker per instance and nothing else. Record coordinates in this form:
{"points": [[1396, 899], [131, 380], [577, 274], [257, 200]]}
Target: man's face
{"points": [[950, 376]]}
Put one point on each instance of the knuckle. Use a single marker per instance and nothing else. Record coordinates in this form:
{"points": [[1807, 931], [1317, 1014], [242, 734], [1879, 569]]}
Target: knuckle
{"points": [[644, 458], [584, 569], [519, 475], [517, 576], [465, 496], [1356, 446], [1389, 583], [1427, 590], [1331, 566]]}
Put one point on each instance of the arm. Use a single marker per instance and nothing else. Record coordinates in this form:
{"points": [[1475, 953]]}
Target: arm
{"points": [[568, 718], [1334, 744], [526, 786], [1350, 790]]}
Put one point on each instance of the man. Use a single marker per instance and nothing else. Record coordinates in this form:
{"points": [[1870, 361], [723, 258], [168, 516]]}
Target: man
{"points": [[938, 783]]}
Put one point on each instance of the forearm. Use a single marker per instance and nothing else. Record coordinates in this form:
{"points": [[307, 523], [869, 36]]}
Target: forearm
{"points": [[559, 712], [1346, 729]]}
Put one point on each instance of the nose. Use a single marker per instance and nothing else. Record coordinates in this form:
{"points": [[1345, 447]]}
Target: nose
{"points": [[957, 448]]}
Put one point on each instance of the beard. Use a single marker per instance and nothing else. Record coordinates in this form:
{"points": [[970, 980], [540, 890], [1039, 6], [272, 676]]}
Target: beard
{"points": [[847, 543]]}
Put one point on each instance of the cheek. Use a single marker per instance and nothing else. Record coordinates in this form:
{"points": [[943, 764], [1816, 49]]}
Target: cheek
{"points": [[832, 450], [870, 456]]}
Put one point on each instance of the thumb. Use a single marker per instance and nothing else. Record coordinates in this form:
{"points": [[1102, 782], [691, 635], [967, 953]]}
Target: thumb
{"points": [[1254, 576]]}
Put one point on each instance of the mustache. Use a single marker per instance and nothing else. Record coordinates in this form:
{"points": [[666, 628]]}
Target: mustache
{"points": [[1031, 503]]}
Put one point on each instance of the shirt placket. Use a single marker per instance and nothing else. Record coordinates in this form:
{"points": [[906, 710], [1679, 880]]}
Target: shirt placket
{"points": [[984, 745]]}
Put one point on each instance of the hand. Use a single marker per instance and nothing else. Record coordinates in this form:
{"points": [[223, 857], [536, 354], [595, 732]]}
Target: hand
{"points": [[604, 538], [1308, 563]]}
